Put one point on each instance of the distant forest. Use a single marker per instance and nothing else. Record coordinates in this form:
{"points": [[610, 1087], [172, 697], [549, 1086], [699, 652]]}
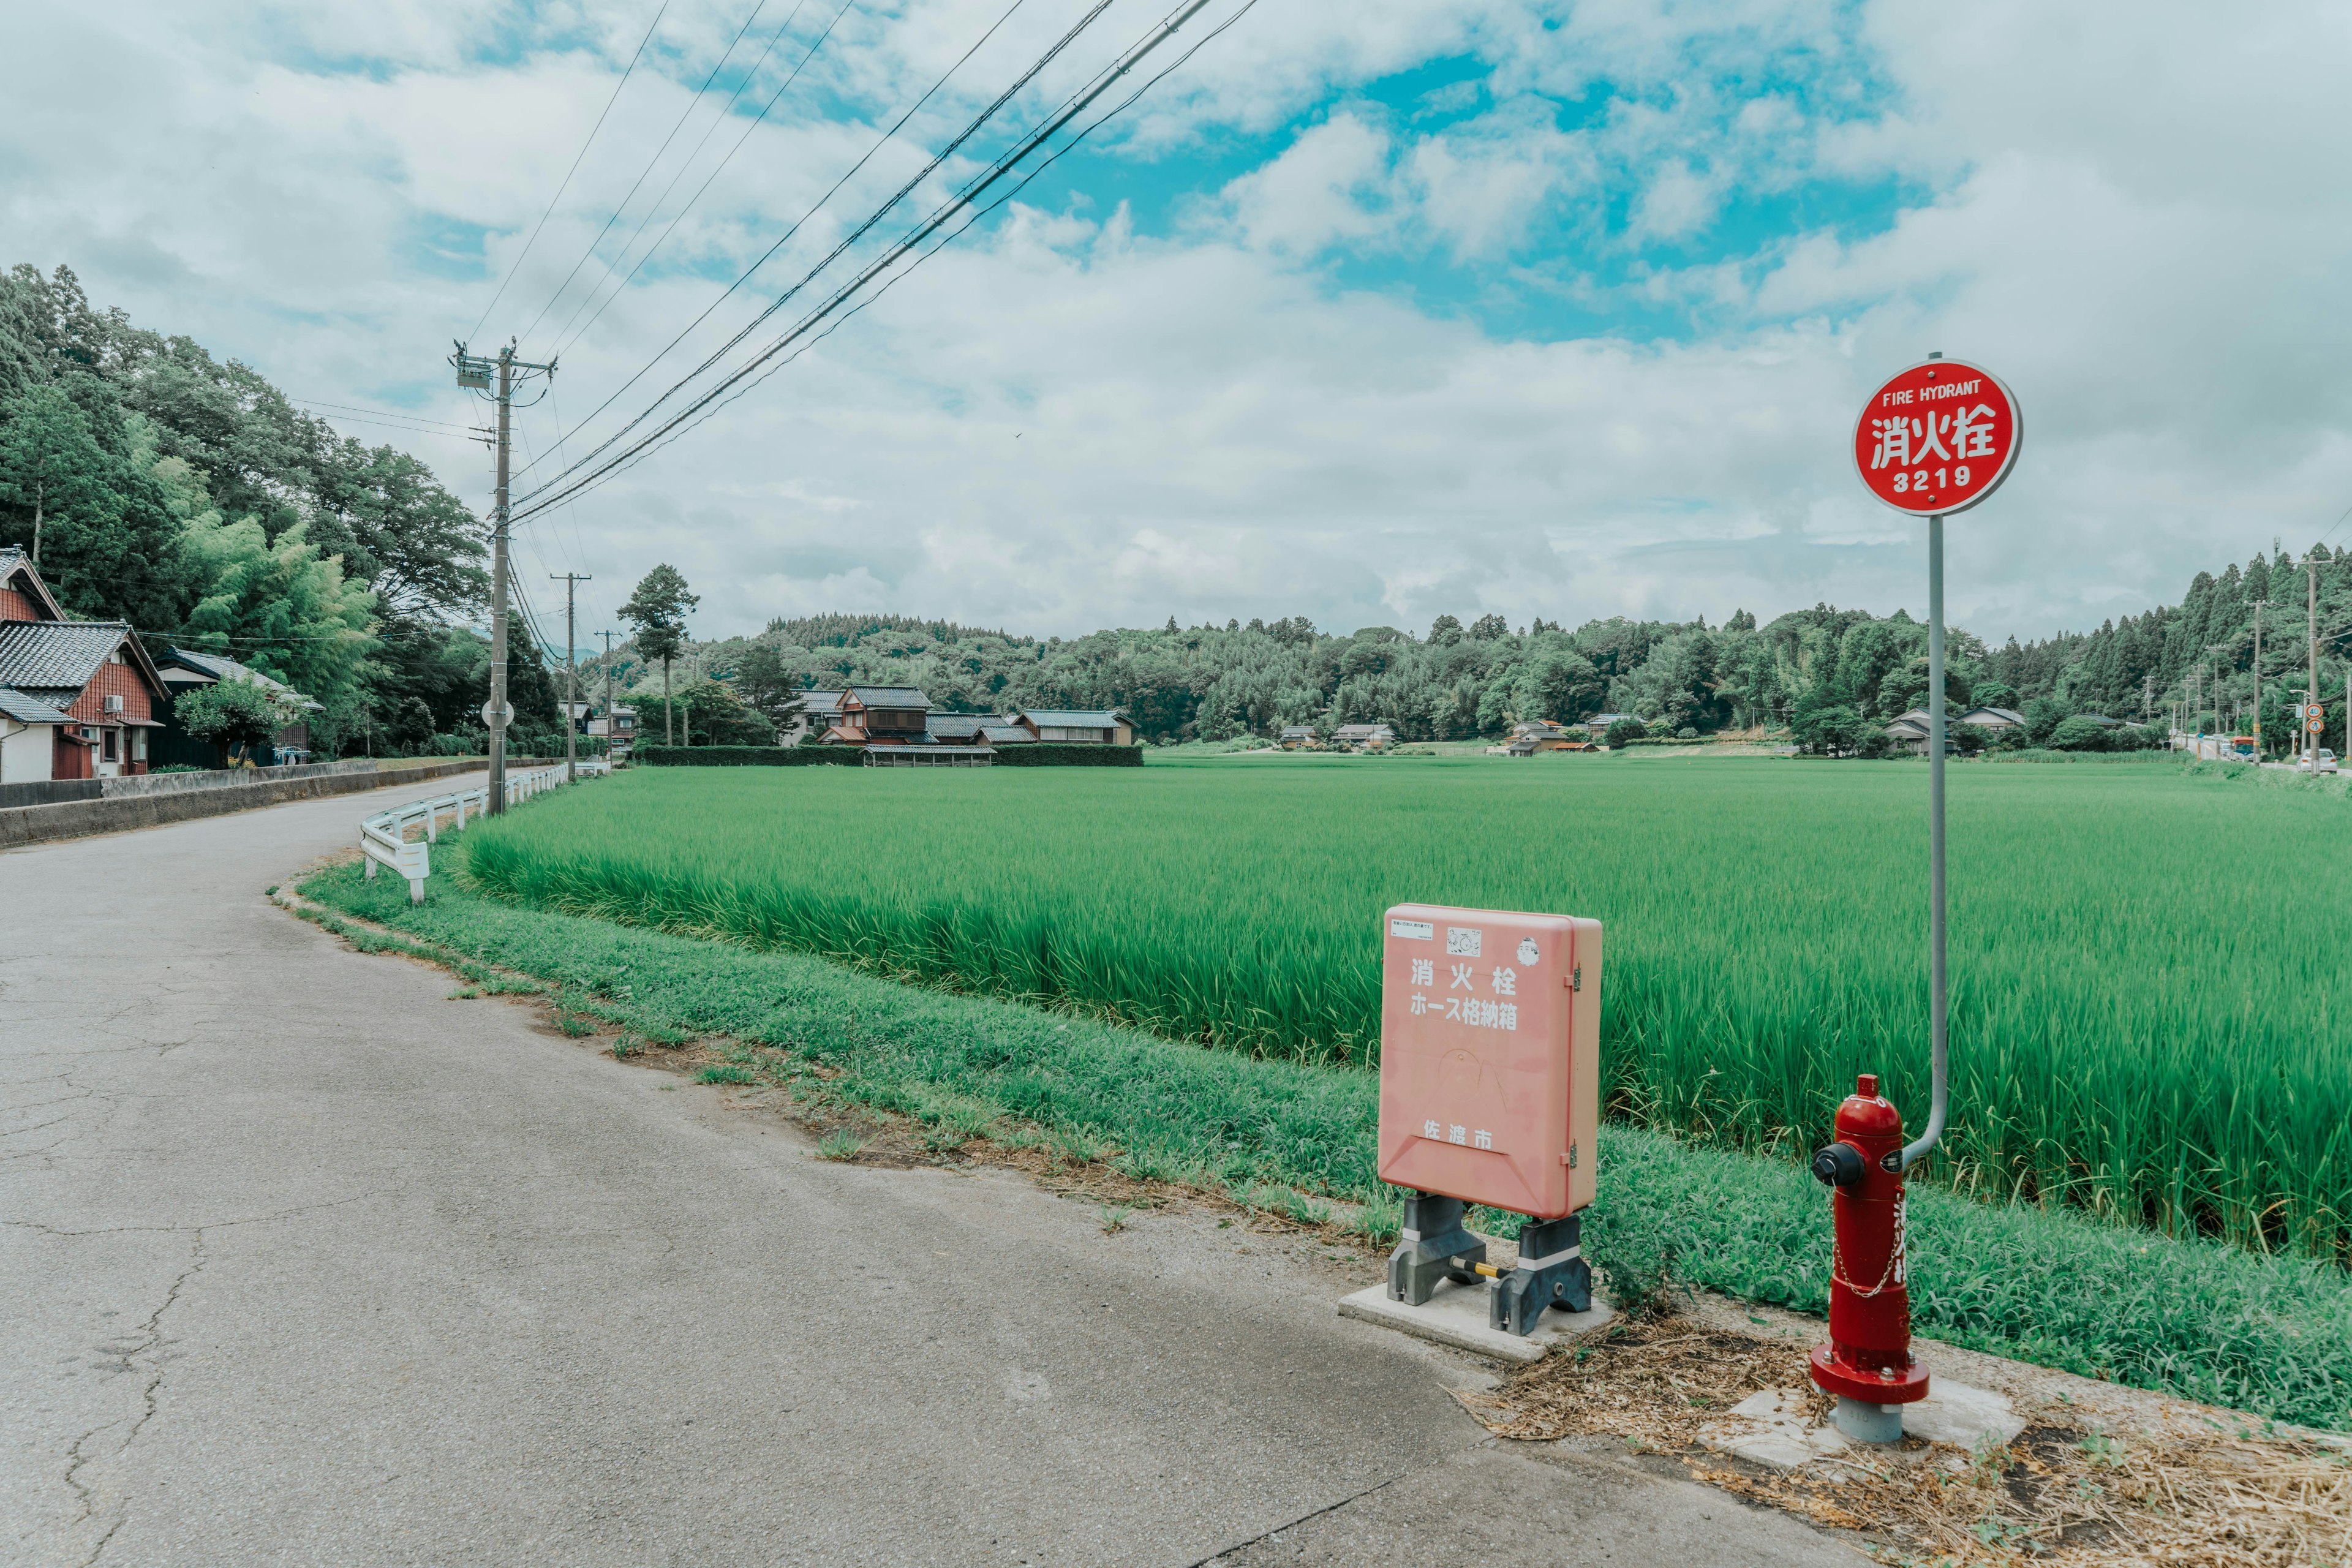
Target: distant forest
{"points": [[195, 500], [1458, 682]]}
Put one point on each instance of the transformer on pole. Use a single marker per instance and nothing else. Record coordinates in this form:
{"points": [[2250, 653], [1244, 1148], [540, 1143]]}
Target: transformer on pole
{"points": [[474, 371]]}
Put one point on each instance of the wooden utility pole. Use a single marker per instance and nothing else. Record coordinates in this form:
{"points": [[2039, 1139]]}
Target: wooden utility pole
{"points": [[474, 371], [571, 581], [2260, 605], [612, 724], [2310, 735]]}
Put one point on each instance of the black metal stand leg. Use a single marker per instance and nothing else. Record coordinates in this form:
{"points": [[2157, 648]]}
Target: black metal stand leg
{"points": [[1551, 1273], [1435, 1247]]}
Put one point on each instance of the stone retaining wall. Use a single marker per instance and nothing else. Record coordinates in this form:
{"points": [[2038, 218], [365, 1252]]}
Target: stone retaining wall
{"points": [[71, 819]]}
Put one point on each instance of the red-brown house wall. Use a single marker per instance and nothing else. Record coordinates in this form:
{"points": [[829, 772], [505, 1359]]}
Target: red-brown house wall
{"points": [[113, 680], [17, 607]]}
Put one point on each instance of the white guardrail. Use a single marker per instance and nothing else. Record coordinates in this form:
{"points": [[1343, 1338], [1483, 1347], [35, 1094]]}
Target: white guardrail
{"points": [[384, 838]]}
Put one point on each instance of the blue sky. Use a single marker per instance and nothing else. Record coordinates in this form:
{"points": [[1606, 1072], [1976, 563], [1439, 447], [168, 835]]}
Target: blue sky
{"points": [[1368, 313]]}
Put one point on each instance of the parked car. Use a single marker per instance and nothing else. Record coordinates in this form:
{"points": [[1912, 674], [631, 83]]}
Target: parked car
{"points": [[2327, 761]]}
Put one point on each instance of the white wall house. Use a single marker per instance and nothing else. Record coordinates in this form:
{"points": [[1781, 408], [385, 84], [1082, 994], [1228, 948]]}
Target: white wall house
{"points": [[28, 738]]}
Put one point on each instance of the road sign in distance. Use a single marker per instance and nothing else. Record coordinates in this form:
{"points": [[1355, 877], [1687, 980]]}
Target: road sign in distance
{"points": [[2314, 725], [1937, 438], [491, 716]]}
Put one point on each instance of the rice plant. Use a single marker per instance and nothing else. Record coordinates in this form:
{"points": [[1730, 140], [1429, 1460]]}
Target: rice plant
{"points": [[2145, 978]]}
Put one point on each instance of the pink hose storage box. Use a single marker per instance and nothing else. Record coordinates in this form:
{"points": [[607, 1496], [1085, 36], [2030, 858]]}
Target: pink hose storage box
{"points": [[1490, 1055]]}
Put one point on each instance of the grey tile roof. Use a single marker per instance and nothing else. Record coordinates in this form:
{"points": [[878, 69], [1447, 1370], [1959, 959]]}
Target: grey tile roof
{"points": [[55, 655], [955, 726], [820, 702], [891, 696], [1069, 719], [1005, 735], [28, 709], [220, 666]]}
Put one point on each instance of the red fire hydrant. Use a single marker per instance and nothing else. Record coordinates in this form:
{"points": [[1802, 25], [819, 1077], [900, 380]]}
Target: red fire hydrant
{"points": [[1867, 1362]]}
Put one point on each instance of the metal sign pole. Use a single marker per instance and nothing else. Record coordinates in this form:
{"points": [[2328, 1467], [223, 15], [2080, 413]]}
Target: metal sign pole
{"points": [[1936, 972]]}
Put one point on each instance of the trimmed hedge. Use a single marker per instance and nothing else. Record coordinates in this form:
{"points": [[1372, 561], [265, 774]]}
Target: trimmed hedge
{"points": [[1045, 756], [1061, 756], [747, 756]]}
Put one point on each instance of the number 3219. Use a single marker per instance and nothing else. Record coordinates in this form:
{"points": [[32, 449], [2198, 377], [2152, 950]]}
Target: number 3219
{"points": [[1958, 479]]}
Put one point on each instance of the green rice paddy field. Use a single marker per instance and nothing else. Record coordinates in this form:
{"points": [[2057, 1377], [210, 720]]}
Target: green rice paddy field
{"points": [[2149, 988]]}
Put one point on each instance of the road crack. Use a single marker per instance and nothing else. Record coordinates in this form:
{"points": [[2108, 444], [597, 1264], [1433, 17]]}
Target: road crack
{"points": [[138, 1358]]}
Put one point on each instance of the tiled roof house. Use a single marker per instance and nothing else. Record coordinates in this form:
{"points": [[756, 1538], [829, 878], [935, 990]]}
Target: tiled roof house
{"points": [[93, 675]]}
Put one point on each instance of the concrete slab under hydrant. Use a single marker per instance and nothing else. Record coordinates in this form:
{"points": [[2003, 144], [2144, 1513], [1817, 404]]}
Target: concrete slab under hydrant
{"points": [[1456, 1315], [1772, 1427]]}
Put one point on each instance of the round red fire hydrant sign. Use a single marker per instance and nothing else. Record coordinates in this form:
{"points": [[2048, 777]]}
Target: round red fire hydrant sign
{"points": [[1937, 438]]}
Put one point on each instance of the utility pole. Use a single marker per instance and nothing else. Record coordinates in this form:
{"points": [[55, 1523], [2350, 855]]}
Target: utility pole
{"points": [[2310, 735], [474, 371], [612, 724], [571, 581], [2260, 605]]}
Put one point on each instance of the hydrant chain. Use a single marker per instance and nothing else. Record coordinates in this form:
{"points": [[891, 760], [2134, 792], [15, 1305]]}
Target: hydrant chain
{"points": [[1837, 1270]]}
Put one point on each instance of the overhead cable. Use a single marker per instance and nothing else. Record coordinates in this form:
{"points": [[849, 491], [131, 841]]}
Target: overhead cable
{"points": [[647, 449], [566, 334], [694, 100], [912, 240], [380, 414], [745, 276], [571, 171]]}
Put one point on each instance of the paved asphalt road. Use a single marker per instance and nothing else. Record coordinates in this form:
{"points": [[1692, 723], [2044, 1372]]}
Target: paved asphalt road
{"points": [[304, 1264]]}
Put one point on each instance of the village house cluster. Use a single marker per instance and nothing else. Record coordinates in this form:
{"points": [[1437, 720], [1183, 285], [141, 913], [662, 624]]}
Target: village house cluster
{"points": [[896, 726], [85, 700]]}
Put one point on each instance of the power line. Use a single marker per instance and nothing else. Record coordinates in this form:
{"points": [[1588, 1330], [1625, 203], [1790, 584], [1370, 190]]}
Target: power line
{"points": [[659, 440], [814, 208], [695, 99], [895, 252], [342, 419], [379, 414], [570, 513], [571, 171], [941, 245], [775, 98], [646, 450]]}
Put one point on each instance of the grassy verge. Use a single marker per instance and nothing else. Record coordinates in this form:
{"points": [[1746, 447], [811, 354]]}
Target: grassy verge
{"points": [[2201, 1319]]}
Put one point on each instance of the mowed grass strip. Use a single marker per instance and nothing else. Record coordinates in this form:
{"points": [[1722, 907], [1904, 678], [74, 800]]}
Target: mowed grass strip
{"points": [[2201, 1319], [2148, 983]]}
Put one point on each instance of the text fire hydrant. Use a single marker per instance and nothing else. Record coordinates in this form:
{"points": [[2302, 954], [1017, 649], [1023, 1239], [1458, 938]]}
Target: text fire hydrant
{"points": [[1867, 1362]]}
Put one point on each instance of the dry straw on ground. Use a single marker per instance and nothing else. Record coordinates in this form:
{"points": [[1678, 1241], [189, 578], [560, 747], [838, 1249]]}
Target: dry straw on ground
{"points": [[2062, 1493]]}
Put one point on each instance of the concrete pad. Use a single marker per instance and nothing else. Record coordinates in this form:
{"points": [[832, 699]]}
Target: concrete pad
{"points": [[1456, 1316], [1770, 1427], [1963, 1417]]}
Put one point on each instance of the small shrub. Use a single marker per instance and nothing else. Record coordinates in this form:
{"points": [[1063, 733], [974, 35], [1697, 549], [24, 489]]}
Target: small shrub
{"points": [[1633, 1241], [727, 1072], [840, 1144]]}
